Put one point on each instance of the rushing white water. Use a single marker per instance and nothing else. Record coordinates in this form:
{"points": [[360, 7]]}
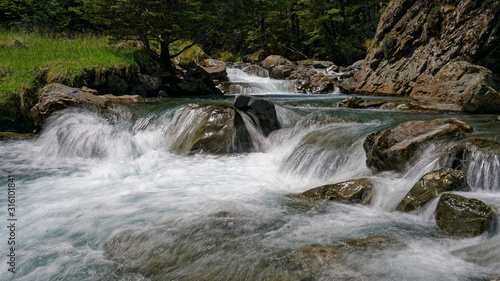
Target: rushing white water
{"points": [[101, 198]]}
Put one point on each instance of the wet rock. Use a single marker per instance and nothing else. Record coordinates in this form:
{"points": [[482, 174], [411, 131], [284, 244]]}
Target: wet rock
{"points": [[281, 71], [275, 60], [215, 129], [124, 98], [216, 68], [351, 191], [430, 186], [394, 149], [10, 135], [322, 64], [261, 111], [256, 71], [318, 83], [216, 136], [56, 96], [357, 102], [387, 106], [458, 86], [302, 73], [463, 217], [416, 38]]}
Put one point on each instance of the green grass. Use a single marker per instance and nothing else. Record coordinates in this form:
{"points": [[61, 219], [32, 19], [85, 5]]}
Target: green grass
{"points": [[30, 61]]}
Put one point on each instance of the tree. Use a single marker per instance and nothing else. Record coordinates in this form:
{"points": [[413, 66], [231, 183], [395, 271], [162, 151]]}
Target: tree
{"points": [[51, 15], [155, 23]]}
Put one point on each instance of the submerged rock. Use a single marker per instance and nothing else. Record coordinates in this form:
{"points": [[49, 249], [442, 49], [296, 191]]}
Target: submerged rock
{"points": [[351, 191], [261, 111], [430, 186], [458, 86], [394, 149], [463, 217]]}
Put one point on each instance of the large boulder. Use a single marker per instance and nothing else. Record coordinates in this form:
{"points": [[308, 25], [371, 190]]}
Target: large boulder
{"points": [[261, 111], [214, 129], [281, 71], [256, 71], [430, 186], [322, 64], [274, 60], [216, 68], [351, 191], [415, 38], [463, 217], [223, 125], [458, 86], [318, 83], [57, 96], [394, 149]]}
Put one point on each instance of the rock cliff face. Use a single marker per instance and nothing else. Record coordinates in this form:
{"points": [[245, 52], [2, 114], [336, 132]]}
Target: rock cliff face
{"points": [[419, 37]]}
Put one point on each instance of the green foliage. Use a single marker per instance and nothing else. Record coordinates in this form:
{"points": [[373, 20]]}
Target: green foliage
{"points": [[29, 61], [54, 15], [156, 23], [433, 17], [387, 45]]}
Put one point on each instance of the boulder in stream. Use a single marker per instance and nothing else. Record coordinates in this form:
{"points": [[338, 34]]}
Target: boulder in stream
{"points": [[216, 68], [318, 83], [57, 96], [256, 71], [394, 149], [351, 191], [281, 71], [463, 217], [430, 186], [274, 60], [214, 129], [261, 111]]}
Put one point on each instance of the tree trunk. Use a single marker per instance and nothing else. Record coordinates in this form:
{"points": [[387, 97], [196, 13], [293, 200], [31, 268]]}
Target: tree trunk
{"points": [[165, 62]]}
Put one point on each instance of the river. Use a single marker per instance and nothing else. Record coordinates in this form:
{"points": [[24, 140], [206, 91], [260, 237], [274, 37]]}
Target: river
{"points": [[102, 198]]}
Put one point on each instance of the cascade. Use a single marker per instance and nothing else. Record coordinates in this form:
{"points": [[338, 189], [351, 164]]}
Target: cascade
{"points": [[121, 197]]}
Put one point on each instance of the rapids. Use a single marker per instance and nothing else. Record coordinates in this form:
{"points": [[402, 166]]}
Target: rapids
{"points": [[119, 198]]}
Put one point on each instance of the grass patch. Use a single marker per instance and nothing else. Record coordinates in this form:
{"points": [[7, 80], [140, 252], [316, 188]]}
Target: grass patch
{"points": [[30, 61]]}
